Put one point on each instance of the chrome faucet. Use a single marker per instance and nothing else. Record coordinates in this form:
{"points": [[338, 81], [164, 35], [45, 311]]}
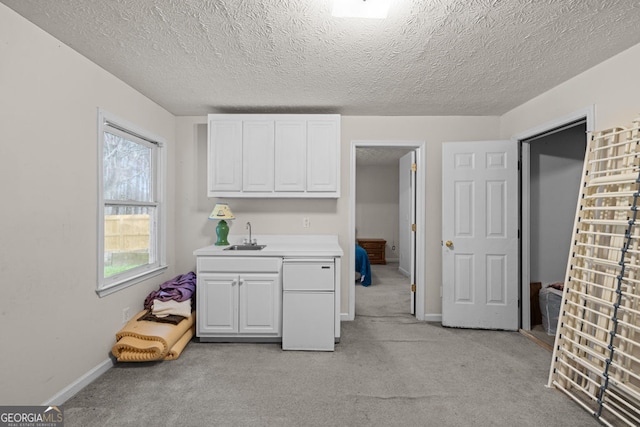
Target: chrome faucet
{"points": [[249, 228]]}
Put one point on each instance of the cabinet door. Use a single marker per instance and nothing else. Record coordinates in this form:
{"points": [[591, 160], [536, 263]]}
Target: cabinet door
{"points": [[260, 301], [217, 300], [323, 155], [225, 155], [291, 155], [257, 155], [308, 321]]}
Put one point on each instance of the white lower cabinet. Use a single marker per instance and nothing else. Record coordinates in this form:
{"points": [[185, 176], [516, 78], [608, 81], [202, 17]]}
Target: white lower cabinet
{"points": [[217, 301], [238, 298], [290, 299], [259, 305]]}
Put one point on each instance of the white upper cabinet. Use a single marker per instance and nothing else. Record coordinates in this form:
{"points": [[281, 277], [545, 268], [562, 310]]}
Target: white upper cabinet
{"points": [[225, 155], [291, 152], [323, 171], [274, 155], [257, 155]]}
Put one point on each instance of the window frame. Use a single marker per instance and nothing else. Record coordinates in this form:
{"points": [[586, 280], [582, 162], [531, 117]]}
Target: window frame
{"points": [[110, 123]]}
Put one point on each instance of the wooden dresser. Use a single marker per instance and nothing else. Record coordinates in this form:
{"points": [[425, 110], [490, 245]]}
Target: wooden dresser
{"points": [[375, 250]]}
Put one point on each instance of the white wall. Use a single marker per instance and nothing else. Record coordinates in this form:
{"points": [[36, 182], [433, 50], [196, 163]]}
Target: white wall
{"points": [[377, 205], [54, 327], [193, 230], [283, 216], [435, 131], [267, 216], [611, 86]]}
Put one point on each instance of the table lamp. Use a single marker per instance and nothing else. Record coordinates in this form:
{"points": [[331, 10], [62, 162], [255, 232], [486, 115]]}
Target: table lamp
{"points": [[221, 212]]}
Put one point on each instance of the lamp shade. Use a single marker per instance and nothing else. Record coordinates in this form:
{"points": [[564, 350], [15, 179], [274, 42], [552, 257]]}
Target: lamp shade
{"points": [[221, 211]]}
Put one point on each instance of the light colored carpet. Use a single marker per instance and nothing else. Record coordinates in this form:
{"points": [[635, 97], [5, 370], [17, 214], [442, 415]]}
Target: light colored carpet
{"points": [[388, 370]]}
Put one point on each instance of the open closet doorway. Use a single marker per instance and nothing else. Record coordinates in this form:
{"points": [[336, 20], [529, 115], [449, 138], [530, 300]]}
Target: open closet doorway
{"points": [[375, 214], [552, 167]]}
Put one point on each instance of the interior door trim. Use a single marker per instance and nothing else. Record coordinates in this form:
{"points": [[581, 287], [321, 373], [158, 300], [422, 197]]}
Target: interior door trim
{"points": [[421, 151], [587, 113]]}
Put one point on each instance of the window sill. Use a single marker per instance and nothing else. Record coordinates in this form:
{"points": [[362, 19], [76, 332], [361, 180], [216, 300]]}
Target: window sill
{"points": [[115, 287]]}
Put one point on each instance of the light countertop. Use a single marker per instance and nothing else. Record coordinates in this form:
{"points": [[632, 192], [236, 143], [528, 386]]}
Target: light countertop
{"points": [[280, 245]]}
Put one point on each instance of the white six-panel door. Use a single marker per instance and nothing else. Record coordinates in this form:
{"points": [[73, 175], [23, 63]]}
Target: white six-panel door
{"points": [[480, 235]]}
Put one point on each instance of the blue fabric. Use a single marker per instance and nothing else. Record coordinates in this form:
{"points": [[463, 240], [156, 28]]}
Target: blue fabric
{"points": [[363, 266]]}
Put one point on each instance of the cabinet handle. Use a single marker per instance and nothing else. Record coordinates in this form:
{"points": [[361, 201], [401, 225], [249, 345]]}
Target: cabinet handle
{"points": [[241, 282]]}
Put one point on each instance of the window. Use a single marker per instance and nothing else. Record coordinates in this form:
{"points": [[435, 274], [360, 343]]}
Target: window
{"points": [[130, 208]]}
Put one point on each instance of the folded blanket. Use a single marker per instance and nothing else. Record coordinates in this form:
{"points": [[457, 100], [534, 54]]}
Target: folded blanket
{"points": [[172, 318], [180, 288], [143, 341], [165, 308], [177, 348]]}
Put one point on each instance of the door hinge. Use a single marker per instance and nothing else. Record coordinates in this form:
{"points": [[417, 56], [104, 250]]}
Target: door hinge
{"points": [[413, 228], [413, 287], [414, 167]]}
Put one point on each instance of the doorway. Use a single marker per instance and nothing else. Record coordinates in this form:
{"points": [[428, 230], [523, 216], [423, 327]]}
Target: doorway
{"points": [[552, 163], [361, 224]]}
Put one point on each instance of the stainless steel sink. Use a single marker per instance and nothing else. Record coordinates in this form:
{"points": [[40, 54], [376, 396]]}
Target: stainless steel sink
{"points": [[245, 247]]}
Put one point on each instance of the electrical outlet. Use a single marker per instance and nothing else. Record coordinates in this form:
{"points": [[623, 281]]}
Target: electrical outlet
{"points": [[305, 222], [125, 315]]}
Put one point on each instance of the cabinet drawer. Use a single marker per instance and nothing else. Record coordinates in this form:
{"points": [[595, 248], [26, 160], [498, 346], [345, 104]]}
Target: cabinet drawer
{"points": [[373, 245], [312, 276], [375, 256], [225, 264]]}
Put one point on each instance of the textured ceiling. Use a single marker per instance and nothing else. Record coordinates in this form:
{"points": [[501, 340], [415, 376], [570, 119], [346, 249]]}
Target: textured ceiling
{"points": [[429, 57], [379, 156]]}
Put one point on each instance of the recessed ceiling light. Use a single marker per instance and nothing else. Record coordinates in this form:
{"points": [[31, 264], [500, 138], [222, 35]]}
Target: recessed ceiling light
{"points": [[372, 9]]}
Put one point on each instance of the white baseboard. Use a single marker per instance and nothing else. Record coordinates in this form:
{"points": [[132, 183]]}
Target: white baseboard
{"points": [[404, 272], [69, 391], [345, 317], [433, 317], [428, 317]]}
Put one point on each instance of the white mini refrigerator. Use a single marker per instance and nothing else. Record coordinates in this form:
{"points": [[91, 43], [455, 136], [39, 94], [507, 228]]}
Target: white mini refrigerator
{"points": [[308, 304]]}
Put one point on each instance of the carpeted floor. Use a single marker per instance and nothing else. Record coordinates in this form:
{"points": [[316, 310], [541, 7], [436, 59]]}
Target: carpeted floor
{"points": [[388, 370]]}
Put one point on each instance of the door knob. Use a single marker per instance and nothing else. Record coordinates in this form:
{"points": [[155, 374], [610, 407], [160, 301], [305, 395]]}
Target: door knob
{"points": [[449, 244]]}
